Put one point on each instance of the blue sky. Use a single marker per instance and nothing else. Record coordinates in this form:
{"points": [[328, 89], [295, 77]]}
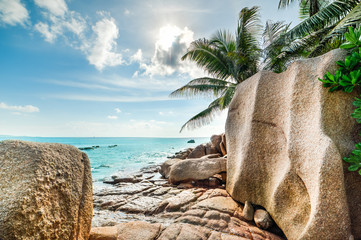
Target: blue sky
{"points": [[82, 68]]}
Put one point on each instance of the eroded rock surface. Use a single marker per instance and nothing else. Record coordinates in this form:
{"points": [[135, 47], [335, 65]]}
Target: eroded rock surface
{"points": [[45, 191], [286, 137], [167, 212]]}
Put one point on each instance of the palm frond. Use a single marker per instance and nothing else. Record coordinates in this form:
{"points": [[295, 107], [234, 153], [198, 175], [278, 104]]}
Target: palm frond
{"points": [[273, 31], [209, 58], [328, 15], [203, 89], [284, 3], [224, 41], [203, 118]]}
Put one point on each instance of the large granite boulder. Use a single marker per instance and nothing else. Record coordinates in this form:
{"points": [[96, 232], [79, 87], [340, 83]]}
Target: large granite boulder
{"points": [[286, 136], [197, 169], [45, 191]]}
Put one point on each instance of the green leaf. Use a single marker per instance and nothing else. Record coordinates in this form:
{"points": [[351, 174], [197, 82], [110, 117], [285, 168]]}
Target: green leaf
{"points": [[353, 168], [359, 172], [347, 45], [330, 76], [349, 89], [335, 88]]}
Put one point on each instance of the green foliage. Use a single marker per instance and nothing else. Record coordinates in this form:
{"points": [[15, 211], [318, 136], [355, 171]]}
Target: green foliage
{"points": [[227, 59], [346, 78]]}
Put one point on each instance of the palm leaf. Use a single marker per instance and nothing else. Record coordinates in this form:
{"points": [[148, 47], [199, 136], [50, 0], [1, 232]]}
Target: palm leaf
{"points": [[207, 90], [209, 58], [329, 15], [204, 117]]}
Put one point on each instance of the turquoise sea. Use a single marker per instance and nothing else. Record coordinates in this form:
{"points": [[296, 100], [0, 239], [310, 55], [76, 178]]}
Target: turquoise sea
{"points": [[130, 154]]}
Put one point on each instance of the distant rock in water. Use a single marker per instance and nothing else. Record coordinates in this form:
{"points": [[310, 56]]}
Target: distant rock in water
{"points": [[86, 148], [111, 146], [286, 137], [191, 141], [45, 191]]}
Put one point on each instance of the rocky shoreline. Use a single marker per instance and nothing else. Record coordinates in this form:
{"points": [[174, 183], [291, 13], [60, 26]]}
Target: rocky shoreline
{"points": [[147, 205]]}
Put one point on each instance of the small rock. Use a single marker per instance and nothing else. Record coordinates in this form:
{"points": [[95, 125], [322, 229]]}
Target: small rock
{"points": [[248, 211], [198, 152], [196, 169], [185, 185], [138, 230], [262, 219], [165, 167], [103, 233]]}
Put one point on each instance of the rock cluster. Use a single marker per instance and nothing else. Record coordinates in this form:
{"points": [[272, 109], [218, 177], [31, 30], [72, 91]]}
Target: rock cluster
{"points": [[286, 137], [165, 212], [217, 145], [45, 191]]}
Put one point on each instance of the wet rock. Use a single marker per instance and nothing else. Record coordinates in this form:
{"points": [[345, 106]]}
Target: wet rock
{"points": [[248, 211], [262, 219]]}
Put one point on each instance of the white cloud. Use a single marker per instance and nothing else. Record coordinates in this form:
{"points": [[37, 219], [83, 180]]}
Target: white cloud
{"points": [[72, 22], [43, 28], [99, 44], [171, 45], [56, 7], [117, 110], [26, 109], [137, 57], [102, 52], [112, 117], [13, 12]]}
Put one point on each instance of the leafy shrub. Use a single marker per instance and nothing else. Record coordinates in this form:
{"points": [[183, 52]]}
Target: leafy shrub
{"points": [[346, 78]]}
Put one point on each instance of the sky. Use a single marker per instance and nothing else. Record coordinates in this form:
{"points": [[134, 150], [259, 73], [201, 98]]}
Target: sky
{"points": [[80, 68]]}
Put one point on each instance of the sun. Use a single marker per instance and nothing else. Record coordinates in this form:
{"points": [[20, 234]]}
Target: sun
{"points": [[167, 35]]}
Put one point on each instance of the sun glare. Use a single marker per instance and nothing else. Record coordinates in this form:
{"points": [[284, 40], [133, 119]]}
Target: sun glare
{"points": [[167, 35]]}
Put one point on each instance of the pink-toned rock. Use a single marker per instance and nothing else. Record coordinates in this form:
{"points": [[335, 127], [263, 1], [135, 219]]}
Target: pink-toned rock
{"points": [[286, 137], [45, 191], [104, 233], [138, 230], [223, 145], [198, 152], [196, 169], [216, 141]]}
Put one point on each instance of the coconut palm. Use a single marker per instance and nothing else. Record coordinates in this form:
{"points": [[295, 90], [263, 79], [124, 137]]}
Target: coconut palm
{"points": [[308, 8], [228, 60], [324, 30]]}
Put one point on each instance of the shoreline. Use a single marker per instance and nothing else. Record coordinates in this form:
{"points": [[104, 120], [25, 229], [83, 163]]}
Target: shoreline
{"points": [[149, 199]]}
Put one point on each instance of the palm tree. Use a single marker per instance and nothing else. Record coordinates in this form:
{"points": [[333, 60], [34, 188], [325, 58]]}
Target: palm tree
{"points": [[228, 60], [308, 8], [324, 30]]}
